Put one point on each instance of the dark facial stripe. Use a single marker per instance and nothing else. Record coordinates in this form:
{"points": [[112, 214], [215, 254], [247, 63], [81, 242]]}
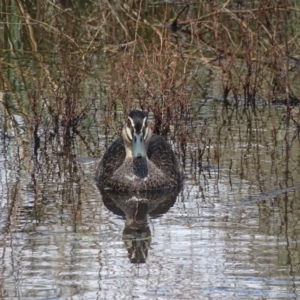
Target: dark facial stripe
{"points": [[128, 136], [138, 120], [137, 125]]}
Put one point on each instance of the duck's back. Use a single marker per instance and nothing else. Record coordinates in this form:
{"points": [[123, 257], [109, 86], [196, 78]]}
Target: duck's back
{"points": [[111, 161], [162, 155]]}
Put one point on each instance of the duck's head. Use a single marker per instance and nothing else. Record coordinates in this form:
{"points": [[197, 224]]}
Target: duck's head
{"points": [[136, 134]]}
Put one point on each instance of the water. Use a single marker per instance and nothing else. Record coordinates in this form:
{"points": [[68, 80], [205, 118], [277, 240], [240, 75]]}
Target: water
{"points": [[222, 238], [231, 232]]}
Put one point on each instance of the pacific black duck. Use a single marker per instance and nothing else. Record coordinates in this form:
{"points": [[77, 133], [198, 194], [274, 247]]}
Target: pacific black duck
{"points": [[139, 160]]}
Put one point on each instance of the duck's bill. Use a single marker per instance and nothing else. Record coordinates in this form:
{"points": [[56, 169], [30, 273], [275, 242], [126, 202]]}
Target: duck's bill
{"points": [[138, 145]]}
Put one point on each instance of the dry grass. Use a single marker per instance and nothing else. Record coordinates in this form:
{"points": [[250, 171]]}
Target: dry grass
{"points": [[155, 57]]}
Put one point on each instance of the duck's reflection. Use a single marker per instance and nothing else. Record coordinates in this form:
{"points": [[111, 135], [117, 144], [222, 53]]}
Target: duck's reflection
{"points": [[135, 208]]}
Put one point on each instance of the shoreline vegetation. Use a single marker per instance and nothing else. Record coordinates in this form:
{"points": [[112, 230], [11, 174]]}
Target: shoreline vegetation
{"points": [[63, 62]]}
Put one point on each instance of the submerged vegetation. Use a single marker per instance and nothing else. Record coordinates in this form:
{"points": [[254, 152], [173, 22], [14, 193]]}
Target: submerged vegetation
{"points": [[219, 79], [71, 66], [158, 56]]}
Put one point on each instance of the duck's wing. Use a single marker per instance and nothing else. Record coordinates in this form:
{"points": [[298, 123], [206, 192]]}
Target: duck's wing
{"points": [[112, 160], [162, 155]]}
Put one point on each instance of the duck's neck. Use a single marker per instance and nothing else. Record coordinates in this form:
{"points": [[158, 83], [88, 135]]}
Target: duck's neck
{"points": [[140, 168]]}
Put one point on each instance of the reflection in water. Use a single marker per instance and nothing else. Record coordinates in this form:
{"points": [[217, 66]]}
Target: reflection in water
{"points": [[68, 70], [135, 207]]}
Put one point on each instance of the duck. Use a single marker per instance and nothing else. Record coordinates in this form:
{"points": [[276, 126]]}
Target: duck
{"points": [[139, 160]]}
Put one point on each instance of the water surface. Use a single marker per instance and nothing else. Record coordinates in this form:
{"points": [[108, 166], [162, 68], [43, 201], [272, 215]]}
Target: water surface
{"points": [[70, 71]]}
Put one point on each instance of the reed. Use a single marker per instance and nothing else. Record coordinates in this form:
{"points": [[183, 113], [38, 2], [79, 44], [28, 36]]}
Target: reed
{"points": [[159, 58]]}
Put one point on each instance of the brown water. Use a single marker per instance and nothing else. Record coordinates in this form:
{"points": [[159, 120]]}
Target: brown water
{"points": [[231, 232]]}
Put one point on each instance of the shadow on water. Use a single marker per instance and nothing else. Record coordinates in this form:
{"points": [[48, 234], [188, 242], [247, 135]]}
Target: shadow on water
{"points": [[135, 208]]}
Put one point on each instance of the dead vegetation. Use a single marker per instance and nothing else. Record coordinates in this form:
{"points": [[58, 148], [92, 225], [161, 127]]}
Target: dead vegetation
{"points": [[112, 56], [202, 70]]}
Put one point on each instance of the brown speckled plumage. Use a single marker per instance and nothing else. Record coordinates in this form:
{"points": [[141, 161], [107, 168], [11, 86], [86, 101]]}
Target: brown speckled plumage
{"points": [[159, 169]]}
